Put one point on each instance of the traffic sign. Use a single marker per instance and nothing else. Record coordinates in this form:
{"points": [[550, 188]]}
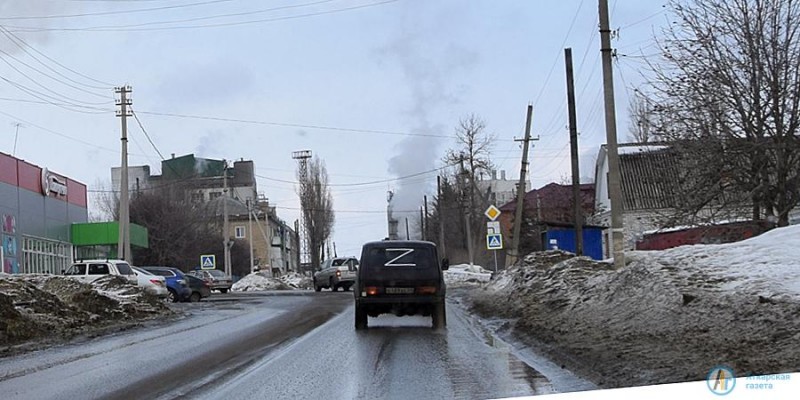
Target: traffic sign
{"points": [[492, 212], [494, 241], [492, 227], [208, 261]]}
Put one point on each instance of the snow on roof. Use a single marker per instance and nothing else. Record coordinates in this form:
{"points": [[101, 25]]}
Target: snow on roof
{"points": [[639, 149]]}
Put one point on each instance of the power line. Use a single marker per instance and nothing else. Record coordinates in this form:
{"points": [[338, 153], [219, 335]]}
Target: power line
{"points": [[117, 12], [147, 135], [555, 61], [217, 25]]}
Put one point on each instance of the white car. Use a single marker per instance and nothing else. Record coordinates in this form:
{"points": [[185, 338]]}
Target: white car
{"points": [[150, 283], [89, 270]]}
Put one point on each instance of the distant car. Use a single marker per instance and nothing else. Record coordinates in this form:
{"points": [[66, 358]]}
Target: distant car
{"points": [[401, 277], [176, 282], [89, 270], [200, 288], [335, 273], [216, 278], [151, 283]]}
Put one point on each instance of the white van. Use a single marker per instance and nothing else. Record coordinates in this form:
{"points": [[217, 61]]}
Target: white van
{"points": [[89, 270]]}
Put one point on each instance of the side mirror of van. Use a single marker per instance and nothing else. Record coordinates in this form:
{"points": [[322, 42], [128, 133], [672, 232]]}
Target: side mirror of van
{"points": [[445, 264]]}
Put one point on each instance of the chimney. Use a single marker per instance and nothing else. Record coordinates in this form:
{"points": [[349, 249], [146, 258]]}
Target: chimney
{"points": [[503, 174], [173, 155], [494, 174]]}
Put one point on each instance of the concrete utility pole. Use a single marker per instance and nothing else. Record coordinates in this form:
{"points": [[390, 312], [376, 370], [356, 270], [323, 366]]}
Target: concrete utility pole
{"points": [[614, 184], [468, 215], [441, 215], [521, 188], [573, 141], [225, 228], [425, 219], [124, 241], [250, 234]]}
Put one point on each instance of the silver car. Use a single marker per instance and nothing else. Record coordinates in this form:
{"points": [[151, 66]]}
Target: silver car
{"points": [[335, 273], [150, 283]]}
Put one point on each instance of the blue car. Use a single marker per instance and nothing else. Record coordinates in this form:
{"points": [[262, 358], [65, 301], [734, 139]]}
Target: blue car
{"points": [[177, 284]]}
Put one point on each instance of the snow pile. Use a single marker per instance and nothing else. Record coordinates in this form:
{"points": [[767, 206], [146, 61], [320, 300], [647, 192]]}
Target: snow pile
{"points": [[257, 281], [667, 316], [466, 275], [297, 281], [53, 307]]}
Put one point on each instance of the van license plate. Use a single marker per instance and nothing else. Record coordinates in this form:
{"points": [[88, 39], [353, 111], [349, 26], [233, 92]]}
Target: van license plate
{"points": [[399, 290]]}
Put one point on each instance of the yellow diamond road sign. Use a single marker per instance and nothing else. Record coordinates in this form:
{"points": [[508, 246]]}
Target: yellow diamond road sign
{"points": [[492, 212]]}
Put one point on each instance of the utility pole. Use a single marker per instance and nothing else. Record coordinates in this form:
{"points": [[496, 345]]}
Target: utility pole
{"points": [[468, 214], [421, 223], [408, 237], [16, 135], [573, 141], [250, 234], [225, 227], [523, 171], [614, 184], [124, 241], [441, 215], [425, 230]]}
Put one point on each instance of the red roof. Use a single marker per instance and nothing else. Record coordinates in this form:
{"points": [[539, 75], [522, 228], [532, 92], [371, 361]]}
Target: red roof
{"points": [[553, 202]]}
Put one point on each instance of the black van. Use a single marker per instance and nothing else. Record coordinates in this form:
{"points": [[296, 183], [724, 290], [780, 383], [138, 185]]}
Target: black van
{"points": [[401, 277]]}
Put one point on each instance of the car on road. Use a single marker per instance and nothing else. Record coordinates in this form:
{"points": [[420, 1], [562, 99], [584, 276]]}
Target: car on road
{"points": [[89, 270], [335, 273], [151, 283], [401, 277], [216, 278], [176, 281], [200, 288]]}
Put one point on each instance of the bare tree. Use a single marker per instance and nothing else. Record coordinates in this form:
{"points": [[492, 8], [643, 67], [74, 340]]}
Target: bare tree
{"points": [[728, 97], [316, 202], [640, 123]]}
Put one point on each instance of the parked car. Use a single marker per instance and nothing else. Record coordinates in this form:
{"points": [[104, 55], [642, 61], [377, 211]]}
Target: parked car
{"points": [[335, 273], [200, 288], [176, 282], [89, 270], [151, 283], [216, 278], [401, 278]]}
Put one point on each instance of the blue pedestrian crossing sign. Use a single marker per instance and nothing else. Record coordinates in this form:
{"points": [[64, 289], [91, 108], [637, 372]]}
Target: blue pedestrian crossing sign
{"points": [[494, 241], [208, 261]]}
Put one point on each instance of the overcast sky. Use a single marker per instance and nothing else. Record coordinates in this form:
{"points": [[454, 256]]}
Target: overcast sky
{"points": [[373, 87]]}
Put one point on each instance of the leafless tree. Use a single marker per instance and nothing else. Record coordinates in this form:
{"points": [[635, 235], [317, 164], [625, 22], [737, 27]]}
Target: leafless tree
{"points": [[316, 202], [727, 93], [640, 123]]}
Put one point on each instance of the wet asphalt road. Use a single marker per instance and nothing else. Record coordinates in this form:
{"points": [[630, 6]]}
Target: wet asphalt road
{"points": [[261, 346]]}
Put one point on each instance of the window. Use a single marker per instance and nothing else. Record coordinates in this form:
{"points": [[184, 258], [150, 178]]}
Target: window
{"points": [[239, 232], [198, 197], [124, 269], [77, 269], [98, 269], [214, 195]]}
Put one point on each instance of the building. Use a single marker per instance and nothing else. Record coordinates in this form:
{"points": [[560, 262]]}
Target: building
{"points": [[501, 191], [38, 208], [550, 220], [206, 181]]}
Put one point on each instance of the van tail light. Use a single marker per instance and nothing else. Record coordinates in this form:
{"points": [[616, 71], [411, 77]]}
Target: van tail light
{"points": [[426, 290], [371, 290]]}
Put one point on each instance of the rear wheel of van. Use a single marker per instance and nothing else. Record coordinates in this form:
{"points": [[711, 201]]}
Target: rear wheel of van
{"points": [[439, 316], [361, 318]]}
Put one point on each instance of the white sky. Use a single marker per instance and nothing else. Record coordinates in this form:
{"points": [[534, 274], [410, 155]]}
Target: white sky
{"points": [[399, 67]]}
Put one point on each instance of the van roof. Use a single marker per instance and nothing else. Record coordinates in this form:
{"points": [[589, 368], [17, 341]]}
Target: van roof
{"points": [[399, 243]]}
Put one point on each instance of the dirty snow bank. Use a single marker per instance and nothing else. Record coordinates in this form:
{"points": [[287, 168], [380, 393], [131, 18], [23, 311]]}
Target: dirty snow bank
{"points": [[466, 275], [55, 307], [667, 316], [263, 281]]}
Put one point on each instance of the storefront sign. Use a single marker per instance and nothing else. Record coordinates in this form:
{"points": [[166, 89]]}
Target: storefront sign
{"points": [[53, 184]]}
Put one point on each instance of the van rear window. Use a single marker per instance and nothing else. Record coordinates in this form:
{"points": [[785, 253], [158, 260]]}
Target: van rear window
{"points": [[400, 257]]}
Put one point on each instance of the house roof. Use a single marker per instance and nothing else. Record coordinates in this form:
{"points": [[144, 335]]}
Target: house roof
{"points": [[649, 177], [553, 202]]}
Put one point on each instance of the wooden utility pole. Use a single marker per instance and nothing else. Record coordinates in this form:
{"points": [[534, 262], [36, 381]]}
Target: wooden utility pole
{"points": [[523, 171], [441, 215], [425, 219], [573, 141], [614, 184], [124, 240]]}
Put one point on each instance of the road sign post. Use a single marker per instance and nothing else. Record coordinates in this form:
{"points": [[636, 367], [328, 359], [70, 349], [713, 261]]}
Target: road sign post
{"points": [[494, 237]]}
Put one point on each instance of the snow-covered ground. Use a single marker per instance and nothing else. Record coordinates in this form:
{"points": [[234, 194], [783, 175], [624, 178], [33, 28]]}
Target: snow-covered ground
{"points": [[259, 281], [55, 307], [667, 316]]}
